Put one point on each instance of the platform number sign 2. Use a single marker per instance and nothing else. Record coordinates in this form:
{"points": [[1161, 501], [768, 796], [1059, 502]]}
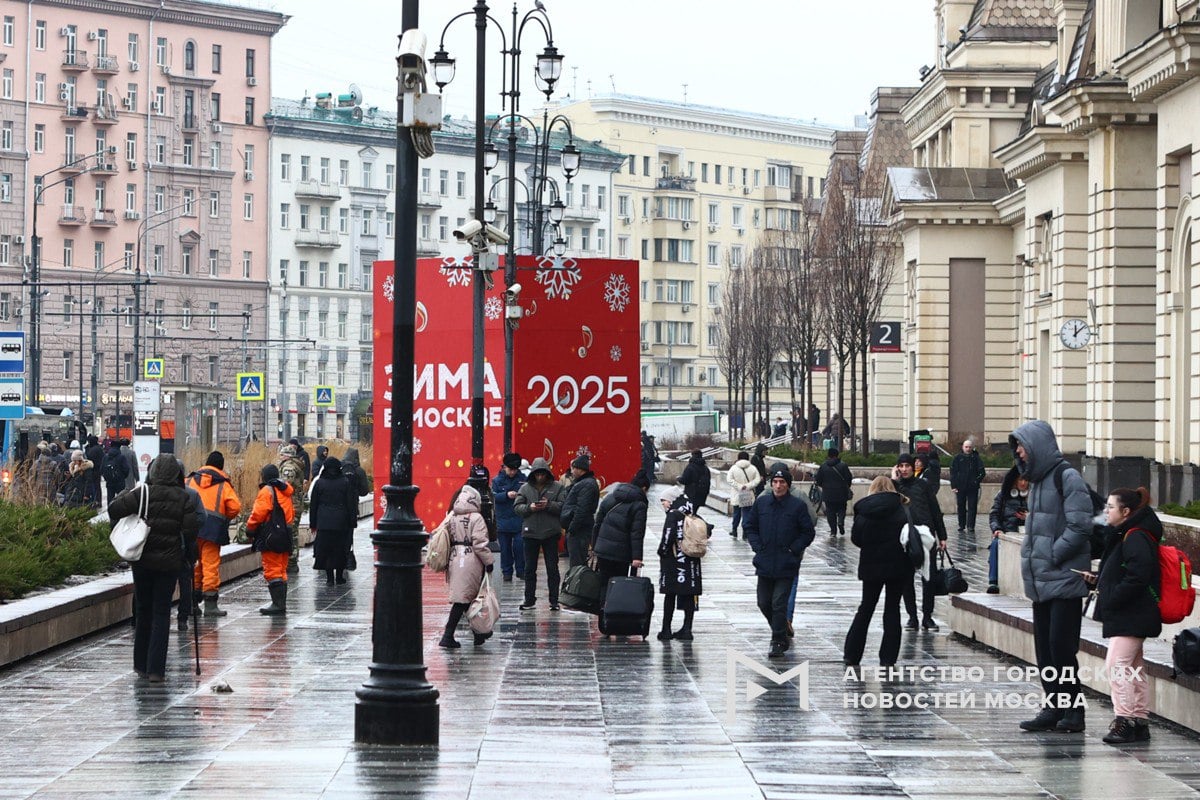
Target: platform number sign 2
{"points": [[885, 337]]}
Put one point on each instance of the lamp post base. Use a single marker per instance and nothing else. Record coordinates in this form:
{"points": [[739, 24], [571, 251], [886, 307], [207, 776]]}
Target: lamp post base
{"points": [[394, 716]]}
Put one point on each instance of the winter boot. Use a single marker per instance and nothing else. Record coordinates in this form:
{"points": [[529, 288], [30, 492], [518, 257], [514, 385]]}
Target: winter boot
{"points": [[1141, 730], [928, 624], [278, 604], [181, 624], [1123, 730], [210, 605], [341, 576], [1046, 720], [684, 634], [329, 577], [480, 638], [1072, 721], [911, 625], [665, 634], [778, 648]]}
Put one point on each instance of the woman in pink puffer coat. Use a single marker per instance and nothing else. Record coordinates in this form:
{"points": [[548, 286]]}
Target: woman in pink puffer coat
{"points": [[469, 559]]}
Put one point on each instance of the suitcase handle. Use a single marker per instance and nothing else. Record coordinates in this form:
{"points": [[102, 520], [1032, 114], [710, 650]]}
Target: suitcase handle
{"points": [[633, 571]]}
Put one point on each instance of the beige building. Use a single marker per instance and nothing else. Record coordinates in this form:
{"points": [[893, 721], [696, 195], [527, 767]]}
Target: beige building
{"points": [[1048, 232], [699, 186]]}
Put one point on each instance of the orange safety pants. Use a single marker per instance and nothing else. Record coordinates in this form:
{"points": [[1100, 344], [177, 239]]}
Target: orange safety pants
{"points": [[208, 568], [275, 566]]}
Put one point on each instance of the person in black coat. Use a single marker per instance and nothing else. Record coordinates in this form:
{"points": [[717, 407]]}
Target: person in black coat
{"points": [[924, 509], [1127, 607], [966, 474], [620, 530], [172, 516], [696, 480], [113, 471], [333, 514], [649, 455], [679, 575], [834, 479], [303, 454], [352, 469], [318, 462], [1008, 515], [883, 566], [578, 515], [94, 452], [760, 464]]}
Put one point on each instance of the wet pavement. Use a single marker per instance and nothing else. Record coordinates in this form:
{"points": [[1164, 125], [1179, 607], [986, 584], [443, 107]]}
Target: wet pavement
{"points": [[550, 709]]}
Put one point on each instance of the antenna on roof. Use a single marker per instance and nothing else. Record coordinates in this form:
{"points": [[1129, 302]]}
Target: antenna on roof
{"points": [[685, 93], [613, 82]]}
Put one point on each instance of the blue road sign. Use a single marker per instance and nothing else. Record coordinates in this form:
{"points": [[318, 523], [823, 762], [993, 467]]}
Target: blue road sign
{"points": [[12, 398], [324, 396], [154, 369], [250, 386], [12, 351]]}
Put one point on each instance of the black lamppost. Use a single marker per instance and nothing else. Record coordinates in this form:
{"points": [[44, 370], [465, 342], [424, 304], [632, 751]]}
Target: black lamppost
{"points": [[397, 705]]}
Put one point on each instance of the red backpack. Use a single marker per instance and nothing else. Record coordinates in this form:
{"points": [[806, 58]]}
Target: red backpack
{"points": [[1177, 596]]}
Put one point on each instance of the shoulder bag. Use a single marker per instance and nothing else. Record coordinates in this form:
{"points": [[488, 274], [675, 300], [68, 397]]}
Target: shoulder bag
{"points": [[128, 536], [946, 579]]}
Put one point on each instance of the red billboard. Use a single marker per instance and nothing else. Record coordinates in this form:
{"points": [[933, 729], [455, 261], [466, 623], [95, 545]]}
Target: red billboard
{"points": [[576, 371]]}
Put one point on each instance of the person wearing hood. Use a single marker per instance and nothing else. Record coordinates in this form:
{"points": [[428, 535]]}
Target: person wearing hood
{"points": [[744, 479], [760, 464], [1009, 510], [113, 470], [835, 479], [539, 504], [679, 575], [696, 480], [269, 526], [578, 516], [620, 530], [79, 488], [649, 454], [470, 558], [1127, 607], [352, 469], [505, 486], [883, 567], [333, 515], [172, 517], [293, 470], [1056, 549], [94, 452], [779, 529], [221, 504], [303, 454], [132, 473], [189, 599], [318, 462]]}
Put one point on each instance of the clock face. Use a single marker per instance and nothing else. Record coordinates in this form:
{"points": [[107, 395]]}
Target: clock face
{"points": [[1075, 334]]}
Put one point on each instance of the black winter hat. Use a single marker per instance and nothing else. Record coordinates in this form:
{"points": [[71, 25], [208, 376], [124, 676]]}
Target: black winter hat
{"points": [[641, 480], [215, 459], [582, 461], [904, 458], [780, 470], [512, 460], [832, 452], [269, 473]]}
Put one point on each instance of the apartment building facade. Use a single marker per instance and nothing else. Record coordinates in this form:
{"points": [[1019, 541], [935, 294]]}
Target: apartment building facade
{"points": [[141, 124], [333, 183], [696, 189]]}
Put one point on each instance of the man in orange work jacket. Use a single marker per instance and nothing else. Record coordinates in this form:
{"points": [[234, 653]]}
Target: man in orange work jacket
{"points": [[221, 504], [272, 535]]}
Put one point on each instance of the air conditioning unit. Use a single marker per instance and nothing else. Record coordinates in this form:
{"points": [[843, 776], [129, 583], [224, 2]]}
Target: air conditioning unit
{"points": [[133, 166], [166, 70], [216, 127], [658, 381], [19, 239], [134, 66], [62, 87], [251, 81], [741, 231], [92, 36], [64, 31], [64, 96], [626, 220], [249, 174], [132, 214], [127, 102], [645, 346], [712, 228], [701, 377], [686, 225], [745, 190]]}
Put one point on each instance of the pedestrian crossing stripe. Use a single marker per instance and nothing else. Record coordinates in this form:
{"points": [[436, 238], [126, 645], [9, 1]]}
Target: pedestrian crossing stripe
{"points": [[154, 368], [249, 386], [324, 396]]}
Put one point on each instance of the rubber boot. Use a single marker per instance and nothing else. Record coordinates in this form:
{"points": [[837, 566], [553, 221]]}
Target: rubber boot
{"points": [[668, 611], [278, 604], [684, 634], [456, 614], [210, 605], [329, 577]]}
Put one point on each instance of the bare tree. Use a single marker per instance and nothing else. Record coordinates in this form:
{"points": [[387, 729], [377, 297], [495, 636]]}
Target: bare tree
{"points": [[732, 347]]}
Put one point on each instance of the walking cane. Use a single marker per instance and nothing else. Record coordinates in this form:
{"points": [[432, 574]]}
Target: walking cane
{"points": [[195, 627]]}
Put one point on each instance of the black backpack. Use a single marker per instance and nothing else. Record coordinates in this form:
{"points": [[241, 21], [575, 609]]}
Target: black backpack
{"points": [[1186, 651], [112, 469], [1098, 502]]}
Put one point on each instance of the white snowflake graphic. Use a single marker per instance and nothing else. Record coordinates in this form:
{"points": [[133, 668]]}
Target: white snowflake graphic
{"points": [[616, 293], [615, 353], [416, 445], [389, 289], [558, 275], [457, 270], [492, 308]]}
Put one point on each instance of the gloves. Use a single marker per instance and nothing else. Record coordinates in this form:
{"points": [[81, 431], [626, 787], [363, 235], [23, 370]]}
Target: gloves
{"points": [[488, 568]]}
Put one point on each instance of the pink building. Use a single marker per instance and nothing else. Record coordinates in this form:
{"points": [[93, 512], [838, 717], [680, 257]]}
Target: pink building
{"points": [[143, 124]]}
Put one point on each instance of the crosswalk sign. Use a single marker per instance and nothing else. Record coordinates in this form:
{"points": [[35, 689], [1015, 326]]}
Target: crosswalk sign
{"points": [[250, 386], [324, 396], [153, 369]]}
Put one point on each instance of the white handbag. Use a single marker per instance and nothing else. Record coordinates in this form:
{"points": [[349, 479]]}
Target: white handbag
{"points": [[485, 609], [128, 536]]}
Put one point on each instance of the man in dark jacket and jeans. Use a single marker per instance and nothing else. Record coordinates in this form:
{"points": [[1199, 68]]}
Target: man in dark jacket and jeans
{"points": [[508, 525], [1055, 550], [696, 480], [834, 479], [778, 529], [579, 509], [924, 509], [966, 474]]}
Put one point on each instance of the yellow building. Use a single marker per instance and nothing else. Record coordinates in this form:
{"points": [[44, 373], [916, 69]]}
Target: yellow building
{"points": [[700, 185]]}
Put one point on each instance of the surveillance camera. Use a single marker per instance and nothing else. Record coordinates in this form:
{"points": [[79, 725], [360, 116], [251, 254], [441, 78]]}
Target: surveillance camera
{"points": [[512, 294], [412, 43], [470, 229], [494, 234]]}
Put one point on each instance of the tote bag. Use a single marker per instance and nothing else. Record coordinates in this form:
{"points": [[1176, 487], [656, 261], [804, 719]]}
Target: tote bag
{"points": [[128, 536], [485, 608]]}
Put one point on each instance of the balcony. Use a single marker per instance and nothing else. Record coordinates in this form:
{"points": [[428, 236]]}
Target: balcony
{"points": [[72, 164], [582, 212], [106, 114], [328, 239], [190, 123], [781, 194], [107, 65], [679, 183], [75, 60], [72, 215], [429, 200], [104, 218], [74, 113], [312, 188], [427, 247], [104, 167]]}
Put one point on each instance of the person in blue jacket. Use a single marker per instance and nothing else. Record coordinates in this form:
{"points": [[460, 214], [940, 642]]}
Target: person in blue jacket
{"points": [[778, 529], [508, 525]]}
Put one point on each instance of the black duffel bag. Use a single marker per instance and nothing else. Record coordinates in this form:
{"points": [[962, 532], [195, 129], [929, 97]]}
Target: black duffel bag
{"points": [[944, 580], [581, 589]]}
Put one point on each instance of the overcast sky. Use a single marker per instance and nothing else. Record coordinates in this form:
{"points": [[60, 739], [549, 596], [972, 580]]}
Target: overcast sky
{"points": [[807, 59]]}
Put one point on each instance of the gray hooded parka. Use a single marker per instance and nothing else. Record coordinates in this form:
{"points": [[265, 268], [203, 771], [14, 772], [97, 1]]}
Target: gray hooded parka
{"points": [[1057, 528]]}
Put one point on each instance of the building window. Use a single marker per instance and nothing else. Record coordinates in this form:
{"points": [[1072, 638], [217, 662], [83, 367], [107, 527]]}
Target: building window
{"points": [[39, 34], [214, 370], [129, 255], [302, 325], [67, 358], [305, 168], [304, 215], [368, 222], [160, 199], [249, 63], [216, 59], [160, 100], [248, 206], [342, 269], [343, 318], [214, 204], [344, 172], [303, 273], [324, 212], [443, 182], [323, 324], [284, 265], [390, 176], [39, 87], [189, 202], [157, 259], [443, 228], [714, 254], [212, 315], [247, 263], [285, 213], [186, 260], [343, 220], [131, 147], [68, 252], [249, 117], [367, 170], [285, 166], [6, 84], [213, 260], [189, 152], [323, 275], [390, 224]]}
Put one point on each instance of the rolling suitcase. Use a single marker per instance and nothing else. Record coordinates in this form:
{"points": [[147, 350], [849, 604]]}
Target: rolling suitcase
{"points": [[628, 606]]}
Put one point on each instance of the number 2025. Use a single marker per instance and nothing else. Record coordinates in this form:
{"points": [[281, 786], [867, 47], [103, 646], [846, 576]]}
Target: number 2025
{"points": [[566, 394]]}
